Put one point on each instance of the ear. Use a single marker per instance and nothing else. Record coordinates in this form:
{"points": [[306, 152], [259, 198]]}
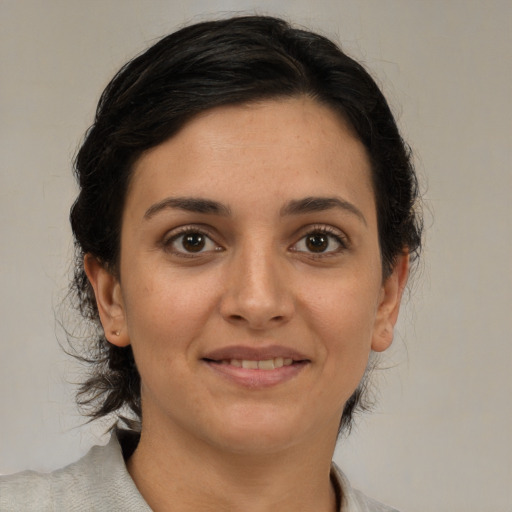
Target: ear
{"points": [[389, 305], [109, 300]]}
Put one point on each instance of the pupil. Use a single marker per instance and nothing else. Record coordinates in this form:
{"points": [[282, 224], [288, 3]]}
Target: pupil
{"points": [[193, 242], [317, 242]]}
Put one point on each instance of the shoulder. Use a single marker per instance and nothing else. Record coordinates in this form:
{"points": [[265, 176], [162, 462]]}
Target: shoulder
{"points": [[353, 500], [99, 481], [23, 491]]}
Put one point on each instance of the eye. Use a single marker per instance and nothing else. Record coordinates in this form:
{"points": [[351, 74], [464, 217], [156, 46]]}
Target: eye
{"points": [[321, 241], [190, 242]]}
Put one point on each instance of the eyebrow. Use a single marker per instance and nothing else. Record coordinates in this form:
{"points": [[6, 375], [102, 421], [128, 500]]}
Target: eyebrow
{"points": [[189, 204], [320, 204], [294, 207]]}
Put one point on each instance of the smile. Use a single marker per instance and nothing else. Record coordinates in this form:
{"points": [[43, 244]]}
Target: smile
{"points": [[266, 364], [255, 369]]}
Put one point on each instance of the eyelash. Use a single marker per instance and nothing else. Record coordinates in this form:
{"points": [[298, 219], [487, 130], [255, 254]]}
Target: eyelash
{"points": [[182, 232], [332, 234]]}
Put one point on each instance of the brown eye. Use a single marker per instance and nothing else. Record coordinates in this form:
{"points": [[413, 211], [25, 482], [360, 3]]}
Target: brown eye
{"points": [[317, 242], [194, 242], [321, 242], [190, 243]]}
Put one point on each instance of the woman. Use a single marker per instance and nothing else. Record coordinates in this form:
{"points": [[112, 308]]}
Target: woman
{"points": [[244, 229]]}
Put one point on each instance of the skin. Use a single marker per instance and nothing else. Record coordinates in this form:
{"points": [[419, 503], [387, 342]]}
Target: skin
{"points": [[211, 441]]}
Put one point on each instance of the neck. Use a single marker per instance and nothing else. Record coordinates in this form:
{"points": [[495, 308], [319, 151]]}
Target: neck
{"points": [[173, 472]]}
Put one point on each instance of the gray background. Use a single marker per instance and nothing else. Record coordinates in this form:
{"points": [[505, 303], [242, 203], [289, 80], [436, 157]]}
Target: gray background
{"points": [[440, 438]]}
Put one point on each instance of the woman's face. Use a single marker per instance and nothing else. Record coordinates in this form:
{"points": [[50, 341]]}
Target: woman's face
{"points": [[250, 276]]}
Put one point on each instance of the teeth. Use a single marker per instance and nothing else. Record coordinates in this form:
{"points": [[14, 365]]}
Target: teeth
{"points": [[267, 364]]}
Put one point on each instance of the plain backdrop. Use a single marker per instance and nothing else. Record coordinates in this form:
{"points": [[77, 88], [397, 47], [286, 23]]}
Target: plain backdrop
{"points": [[440, 438]]}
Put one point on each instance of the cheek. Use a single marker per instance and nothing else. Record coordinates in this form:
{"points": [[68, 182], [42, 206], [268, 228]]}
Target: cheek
{"points": [[342, 317], [344, 309], [167, 312]]}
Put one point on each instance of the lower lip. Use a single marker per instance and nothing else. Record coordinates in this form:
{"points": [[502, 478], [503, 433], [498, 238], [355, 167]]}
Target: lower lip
{"points": [[257, 379]]}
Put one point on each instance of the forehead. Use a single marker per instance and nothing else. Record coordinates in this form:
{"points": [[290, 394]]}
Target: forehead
{"points": [[288, 147]]}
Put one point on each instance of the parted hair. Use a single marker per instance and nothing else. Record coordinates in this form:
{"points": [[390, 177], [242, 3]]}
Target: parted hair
{"points": [[199, 67]]}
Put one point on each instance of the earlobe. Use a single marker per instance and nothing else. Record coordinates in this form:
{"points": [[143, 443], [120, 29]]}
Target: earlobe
{"points": [[109, 300], [389, 305]]}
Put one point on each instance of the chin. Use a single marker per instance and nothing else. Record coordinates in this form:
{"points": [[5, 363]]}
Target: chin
{"points": [[257, 442], [259, 432]]}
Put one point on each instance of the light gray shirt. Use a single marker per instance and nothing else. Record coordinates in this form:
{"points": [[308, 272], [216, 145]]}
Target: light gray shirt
{"points": [[100, 482]]}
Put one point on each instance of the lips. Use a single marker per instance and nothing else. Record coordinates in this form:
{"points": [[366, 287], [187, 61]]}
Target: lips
{"points": [[245, 353], [265, 364], [256, 367]]}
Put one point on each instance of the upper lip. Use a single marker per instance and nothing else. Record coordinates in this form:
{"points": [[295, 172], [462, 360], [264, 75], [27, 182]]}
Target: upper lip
{"points": [[241, 352]]}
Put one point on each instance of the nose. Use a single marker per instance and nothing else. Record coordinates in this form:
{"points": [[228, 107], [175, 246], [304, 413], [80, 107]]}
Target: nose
{"points": [[257, 292]]}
